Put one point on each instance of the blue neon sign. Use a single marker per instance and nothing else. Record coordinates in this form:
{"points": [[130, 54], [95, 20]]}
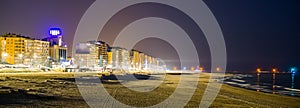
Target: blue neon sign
{"points": [[55, 32]]}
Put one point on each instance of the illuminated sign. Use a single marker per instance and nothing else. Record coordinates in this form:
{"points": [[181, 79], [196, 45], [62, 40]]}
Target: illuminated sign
{"points": [[55, 31]]}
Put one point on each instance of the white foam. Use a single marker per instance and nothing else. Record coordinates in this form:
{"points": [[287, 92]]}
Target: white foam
{"points": [[292, 89], [237, 80]]}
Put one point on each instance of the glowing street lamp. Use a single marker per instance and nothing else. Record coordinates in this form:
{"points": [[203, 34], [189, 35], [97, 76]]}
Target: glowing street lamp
{"points": [[218, 69], [258, 70], [192, 68], [274, 70], [201, 69], [294, 70]]}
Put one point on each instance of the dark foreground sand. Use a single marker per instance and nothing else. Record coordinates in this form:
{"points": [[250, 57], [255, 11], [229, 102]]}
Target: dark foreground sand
{"points": [[58, 89]]}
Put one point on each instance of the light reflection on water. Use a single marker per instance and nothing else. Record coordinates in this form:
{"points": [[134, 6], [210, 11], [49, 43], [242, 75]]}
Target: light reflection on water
{"points": [[275, 83], [293, 83], [277, 88]]}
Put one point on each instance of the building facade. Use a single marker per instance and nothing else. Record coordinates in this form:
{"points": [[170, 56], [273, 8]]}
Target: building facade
{"points": [[93, 54], [58, 48], [120, 57], [17, 49], [86, 55], [102, 52], [58, 53], [109, 58], [103, 56], [135, 59]]}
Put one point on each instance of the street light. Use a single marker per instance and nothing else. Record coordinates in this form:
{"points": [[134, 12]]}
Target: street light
{"points": [[218, 69], [201, 69], [258, 70], [192, 68], [174, 68], [294, 70], [274, 70]]}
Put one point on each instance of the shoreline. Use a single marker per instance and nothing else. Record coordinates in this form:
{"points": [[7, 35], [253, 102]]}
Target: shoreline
{"points": [[240, 80]]}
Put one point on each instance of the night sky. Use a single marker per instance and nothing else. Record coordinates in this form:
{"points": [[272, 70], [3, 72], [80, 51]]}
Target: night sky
{"points": [[258, 33]]}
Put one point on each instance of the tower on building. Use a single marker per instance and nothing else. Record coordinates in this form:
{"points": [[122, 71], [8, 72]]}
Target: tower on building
{"points": [[58, 48]]}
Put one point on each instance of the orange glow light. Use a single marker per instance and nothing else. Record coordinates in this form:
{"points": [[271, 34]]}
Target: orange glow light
{"points": [[201, 69], [192, 68], [218, 69], [258, 70], [175, 68]]}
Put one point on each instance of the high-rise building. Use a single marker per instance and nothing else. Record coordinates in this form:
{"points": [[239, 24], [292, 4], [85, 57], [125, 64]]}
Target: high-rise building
{"points": [[151, 62], [135, 59], [58, 53], [97, 50], [17, 49], [142, 57], [86, 55], [55, 37], [141, 61], [120, 57], [102, 52], [98, 54], [109, 58], [58, 48]]}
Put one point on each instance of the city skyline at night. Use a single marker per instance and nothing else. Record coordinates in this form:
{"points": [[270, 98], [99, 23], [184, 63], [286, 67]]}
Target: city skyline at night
{"points": [[150, 53], [262, 37]]}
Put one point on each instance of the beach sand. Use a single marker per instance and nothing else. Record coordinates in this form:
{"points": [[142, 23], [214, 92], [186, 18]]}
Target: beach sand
{"points": [[58, 89]]}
